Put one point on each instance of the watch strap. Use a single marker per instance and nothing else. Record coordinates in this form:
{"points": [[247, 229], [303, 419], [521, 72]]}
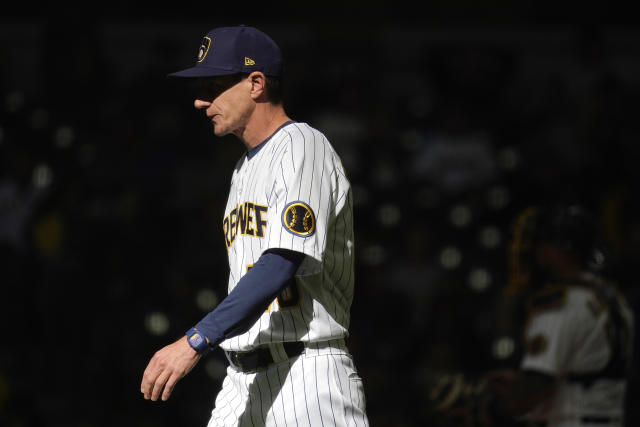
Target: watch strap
{"points": [[197, 340]]}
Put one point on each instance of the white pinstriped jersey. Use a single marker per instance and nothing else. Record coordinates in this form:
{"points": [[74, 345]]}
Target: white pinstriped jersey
{"points": [[294, 194]]}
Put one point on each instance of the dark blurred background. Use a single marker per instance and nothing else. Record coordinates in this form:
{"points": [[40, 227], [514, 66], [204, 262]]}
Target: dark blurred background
{"points": [[449, 120]]}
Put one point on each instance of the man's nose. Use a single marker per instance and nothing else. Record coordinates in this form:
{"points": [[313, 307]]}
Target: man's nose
{"points": [[200, 104]]}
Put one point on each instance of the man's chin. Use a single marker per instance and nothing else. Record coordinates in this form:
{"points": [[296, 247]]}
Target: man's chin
{"points": [[218, 131]]}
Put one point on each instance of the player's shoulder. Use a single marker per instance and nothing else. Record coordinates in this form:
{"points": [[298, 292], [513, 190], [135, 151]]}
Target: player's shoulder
{"points": [[579, 295], [559, 295], [549, 297], [297, 134], [303, 131]]}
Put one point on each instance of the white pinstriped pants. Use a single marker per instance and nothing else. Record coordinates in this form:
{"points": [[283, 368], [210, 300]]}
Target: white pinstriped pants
{"points": [[319, 388]]}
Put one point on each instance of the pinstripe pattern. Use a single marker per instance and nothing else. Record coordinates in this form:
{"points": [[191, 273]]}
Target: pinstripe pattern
{"points": [[296, 164], [320, 388]]}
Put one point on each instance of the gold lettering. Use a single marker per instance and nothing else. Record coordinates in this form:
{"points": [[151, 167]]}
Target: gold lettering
{"points": [[242, 218], [246, 219], [233, 225], [248, 208], [225, 230], [260, 223]]}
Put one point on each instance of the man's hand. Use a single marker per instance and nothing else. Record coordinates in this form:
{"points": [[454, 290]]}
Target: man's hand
{"points": [[166, 368]]}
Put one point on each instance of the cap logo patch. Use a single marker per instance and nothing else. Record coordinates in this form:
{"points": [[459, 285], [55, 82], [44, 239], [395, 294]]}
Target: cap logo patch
{"points": [[204, 48], [249, 61], [298, 219]]}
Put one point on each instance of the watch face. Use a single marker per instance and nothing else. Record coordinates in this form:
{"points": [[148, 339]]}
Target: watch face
{"points": [[196, 339]]}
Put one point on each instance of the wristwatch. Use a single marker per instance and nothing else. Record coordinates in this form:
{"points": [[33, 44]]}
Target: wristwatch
{"points": [[197, 341]]}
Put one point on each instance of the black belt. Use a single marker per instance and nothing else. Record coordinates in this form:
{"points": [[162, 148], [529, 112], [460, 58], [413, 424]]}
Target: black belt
{"points": [[260, 358]]}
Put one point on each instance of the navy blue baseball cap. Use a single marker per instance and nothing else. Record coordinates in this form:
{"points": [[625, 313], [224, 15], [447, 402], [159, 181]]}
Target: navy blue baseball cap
{"points": [[231, 50]]}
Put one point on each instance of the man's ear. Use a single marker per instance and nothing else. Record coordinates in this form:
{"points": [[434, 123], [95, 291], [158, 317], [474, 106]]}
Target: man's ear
{"points": [[258, 82]]}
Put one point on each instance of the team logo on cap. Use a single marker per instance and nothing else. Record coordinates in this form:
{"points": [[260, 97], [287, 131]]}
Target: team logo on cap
{"points": [[204, 48], [298, 219]]}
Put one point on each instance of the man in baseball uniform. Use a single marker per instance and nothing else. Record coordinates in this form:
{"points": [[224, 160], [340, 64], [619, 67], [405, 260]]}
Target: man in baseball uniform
{"points": [[578, 330], [577, 333], [288, 230]]}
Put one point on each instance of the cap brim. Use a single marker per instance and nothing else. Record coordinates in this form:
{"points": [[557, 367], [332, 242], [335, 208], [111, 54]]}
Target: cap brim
{"points": [[202, 71]]}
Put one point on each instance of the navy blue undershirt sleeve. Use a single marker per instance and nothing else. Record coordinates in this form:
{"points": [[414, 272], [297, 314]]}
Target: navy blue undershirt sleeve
{"points": [[251, 296]]}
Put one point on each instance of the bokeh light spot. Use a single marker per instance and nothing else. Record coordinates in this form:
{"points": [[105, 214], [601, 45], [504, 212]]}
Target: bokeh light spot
{"points": [[64, 136], [157, 323], [479, 279], [490, 237], [503, 347], [206, 299], [460, 216], [374, 255], [450, 257], [509, 159], [42, 176], [389, 215], [498, 197]]}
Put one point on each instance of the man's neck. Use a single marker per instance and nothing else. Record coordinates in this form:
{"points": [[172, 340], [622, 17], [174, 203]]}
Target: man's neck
{"points": [[264, 121]]}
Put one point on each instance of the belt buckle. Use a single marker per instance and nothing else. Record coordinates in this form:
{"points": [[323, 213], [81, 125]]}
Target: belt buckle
{"points": [[234, 359]]}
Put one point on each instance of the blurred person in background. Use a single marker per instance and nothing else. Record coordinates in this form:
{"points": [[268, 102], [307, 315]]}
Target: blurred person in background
{"points": [[577, 329]]}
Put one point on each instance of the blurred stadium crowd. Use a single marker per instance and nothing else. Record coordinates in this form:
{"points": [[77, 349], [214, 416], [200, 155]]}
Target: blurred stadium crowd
{"points": [[112, 189]]}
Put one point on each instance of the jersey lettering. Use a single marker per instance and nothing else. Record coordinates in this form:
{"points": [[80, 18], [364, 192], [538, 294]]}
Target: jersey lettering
{"points": [[233, 224], [260, 223], [248, 219], [242, 217], [225, 230]]}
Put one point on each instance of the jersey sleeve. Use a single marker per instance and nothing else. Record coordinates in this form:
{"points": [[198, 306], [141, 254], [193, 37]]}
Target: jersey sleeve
{"points": [[247, 301], [307, 188]]}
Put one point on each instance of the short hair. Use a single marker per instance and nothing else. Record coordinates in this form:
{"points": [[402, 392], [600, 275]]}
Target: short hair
{"points": [[273, 86], [275, 89]]}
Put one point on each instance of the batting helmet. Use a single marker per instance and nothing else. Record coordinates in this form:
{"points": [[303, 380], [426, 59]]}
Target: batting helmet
{"points": [[572, 228]]}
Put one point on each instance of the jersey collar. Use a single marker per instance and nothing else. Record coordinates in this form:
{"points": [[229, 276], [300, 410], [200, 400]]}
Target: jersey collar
{"points": [[258, 147]]}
